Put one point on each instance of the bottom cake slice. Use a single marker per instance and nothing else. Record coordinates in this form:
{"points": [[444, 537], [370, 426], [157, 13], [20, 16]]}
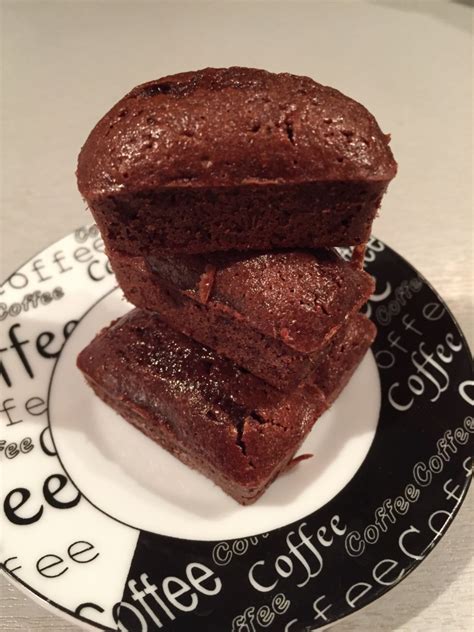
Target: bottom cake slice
{"points": [[211, 414]]}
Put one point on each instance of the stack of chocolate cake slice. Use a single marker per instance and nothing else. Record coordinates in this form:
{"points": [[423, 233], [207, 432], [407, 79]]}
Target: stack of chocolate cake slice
{"points": [[221, 196]]}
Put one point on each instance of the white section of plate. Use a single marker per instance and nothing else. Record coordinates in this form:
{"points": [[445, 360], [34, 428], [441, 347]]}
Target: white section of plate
{"points": [[134, 480]]}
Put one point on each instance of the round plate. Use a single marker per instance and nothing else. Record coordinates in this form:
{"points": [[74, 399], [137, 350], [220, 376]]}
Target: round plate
{"points": [[108, 528]]}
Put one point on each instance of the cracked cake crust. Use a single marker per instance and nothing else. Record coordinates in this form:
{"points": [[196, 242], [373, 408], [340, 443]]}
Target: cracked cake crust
{"points": [[234, 158]]}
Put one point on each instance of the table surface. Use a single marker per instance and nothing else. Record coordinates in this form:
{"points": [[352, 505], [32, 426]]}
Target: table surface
{"points": [[65, 63]]}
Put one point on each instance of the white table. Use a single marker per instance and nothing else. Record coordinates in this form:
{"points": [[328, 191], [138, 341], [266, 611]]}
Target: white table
{"points": [[66, 63]]}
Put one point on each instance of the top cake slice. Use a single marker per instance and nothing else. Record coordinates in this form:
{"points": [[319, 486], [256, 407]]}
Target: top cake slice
{"points": [[235, 158]]}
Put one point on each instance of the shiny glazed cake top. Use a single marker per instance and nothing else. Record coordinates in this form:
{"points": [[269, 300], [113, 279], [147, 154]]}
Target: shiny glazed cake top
{"points": [[228, 127], [139, 350]]}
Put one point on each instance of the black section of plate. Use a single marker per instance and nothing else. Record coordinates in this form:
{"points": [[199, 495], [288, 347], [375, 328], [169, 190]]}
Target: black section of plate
{"points": [[375, 531]]}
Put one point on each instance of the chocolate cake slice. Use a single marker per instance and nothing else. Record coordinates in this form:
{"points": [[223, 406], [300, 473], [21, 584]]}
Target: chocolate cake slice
{"points": [[234, 159], [204, 409], [271, 313]]}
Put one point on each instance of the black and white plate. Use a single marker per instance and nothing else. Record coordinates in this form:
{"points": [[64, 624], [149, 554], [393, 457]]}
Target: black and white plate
{"points": [[108, 528]]}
